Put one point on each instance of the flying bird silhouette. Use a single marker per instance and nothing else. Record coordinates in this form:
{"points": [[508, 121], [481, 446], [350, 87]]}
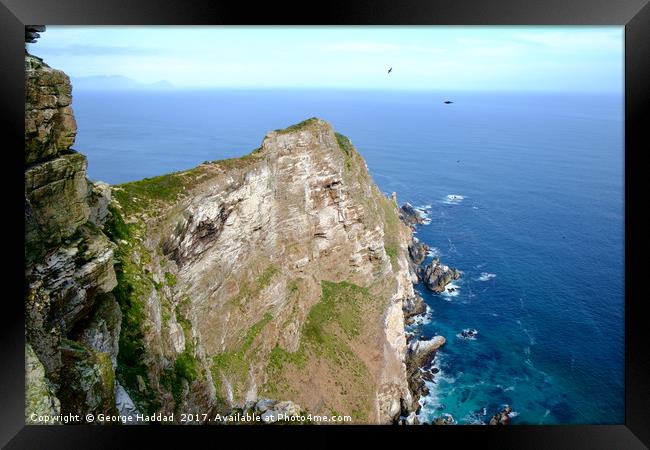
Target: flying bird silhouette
{"points": [[448, 102], [390, 70]]}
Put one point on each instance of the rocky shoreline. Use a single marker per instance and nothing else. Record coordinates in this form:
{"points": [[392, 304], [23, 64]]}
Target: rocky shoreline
{"points": [[193, 291], [435, 276], [421, 350]]}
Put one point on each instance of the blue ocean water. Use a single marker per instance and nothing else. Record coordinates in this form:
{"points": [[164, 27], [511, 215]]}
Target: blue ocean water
{"points": [[538, 233]]}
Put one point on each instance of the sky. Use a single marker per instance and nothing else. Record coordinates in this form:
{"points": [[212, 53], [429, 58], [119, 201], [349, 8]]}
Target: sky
{"points": [[479, 58]]}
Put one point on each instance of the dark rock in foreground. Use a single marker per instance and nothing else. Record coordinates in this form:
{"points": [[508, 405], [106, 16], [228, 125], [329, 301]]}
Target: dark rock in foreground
{"points": [[436, 276], [421, 354], [32, 32], [502, 417], [413, 307], [418, 252], [410, 215]]}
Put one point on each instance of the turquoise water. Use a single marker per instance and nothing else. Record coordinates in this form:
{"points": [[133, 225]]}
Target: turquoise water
{"points": [[538, 234]]}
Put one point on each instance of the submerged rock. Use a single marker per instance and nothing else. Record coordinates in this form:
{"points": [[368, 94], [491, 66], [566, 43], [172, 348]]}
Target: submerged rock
{"points": [[445, 419]]}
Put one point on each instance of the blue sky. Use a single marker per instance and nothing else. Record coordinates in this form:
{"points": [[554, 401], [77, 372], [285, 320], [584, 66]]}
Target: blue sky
{"points": [[431, 58]]}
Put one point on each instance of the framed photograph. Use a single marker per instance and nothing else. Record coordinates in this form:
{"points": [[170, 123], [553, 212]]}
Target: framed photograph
{"points": [[385, 219]]}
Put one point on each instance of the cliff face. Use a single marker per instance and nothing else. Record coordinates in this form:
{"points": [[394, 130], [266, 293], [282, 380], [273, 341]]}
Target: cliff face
{"points": [[70, 314], [281, 274]]}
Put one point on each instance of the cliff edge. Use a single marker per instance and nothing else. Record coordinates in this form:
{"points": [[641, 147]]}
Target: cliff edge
{"points": [[279, 275]]}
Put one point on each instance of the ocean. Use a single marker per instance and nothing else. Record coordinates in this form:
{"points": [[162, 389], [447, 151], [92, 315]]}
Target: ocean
{"points": [[535, 222]]}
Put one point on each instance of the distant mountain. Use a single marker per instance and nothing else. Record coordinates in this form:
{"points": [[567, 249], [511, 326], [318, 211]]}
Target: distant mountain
{"points": [[116, 82]]}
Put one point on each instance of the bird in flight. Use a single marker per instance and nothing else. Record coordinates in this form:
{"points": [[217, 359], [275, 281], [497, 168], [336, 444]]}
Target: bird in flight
{"points": [[448, 102], [390, 70]]}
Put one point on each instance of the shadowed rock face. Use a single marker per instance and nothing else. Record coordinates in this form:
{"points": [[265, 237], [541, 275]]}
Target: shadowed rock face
{"points": [[418, 252], [69, 261], [420, 357], [410, 215], [32, 32], [436, 276]]}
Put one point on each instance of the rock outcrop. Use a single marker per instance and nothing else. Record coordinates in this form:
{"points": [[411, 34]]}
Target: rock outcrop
{"points": [[435, 276], [69, 260], [40, 394], [418, 252], [413, 307], [282, 266], [502, 417], [410, 215], [421, 354]]}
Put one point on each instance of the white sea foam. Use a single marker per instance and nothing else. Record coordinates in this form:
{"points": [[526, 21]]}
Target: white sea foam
{"points": [[423, 212], [433, 252], [448, 292], [422, 319], [431, 403], [486, 276], [473, 419], [453, 199], [467, 338]]}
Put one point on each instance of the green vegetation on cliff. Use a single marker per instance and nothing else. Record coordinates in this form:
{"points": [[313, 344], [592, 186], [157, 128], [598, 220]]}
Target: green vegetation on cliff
{"points": [[142, 195], [298, 126], [248, 290], [234, 364], [333, 322], [133, 287], [391, 229]]}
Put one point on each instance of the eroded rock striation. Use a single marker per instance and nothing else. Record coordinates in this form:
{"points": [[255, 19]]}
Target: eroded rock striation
{"points": [[72, 322], [263, 272], [284, 274]]}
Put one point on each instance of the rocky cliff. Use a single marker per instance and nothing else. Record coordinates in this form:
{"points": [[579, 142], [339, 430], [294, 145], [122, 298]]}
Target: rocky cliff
{"points": [[282, 274], [72, 321]]}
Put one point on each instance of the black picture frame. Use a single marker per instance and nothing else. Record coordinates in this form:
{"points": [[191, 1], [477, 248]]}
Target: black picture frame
{"points": [[634, 15]]}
